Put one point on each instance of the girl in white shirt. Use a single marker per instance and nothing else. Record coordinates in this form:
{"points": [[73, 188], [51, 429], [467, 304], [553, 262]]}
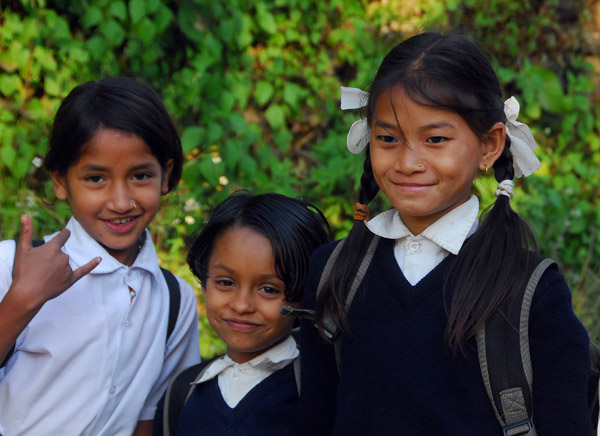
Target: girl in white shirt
{"points": [[87, 311]]}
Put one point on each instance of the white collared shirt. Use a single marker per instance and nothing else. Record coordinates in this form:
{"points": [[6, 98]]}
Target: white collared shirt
{"points": [[237, 379], [93, 362], [418, 255]]}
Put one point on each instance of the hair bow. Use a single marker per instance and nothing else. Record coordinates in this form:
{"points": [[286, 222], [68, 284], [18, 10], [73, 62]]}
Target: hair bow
{"points": [[522, 141], [359, 133]]}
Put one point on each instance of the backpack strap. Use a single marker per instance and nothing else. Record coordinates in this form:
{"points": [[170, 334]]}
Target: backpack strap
{"points": [[179, 392], [174, 300], [505, 362]]}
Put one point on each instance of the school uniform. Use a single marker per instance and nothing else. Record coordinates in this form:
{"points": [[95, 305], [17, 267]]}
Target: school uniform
{"points": [[258, 397], [398, 377], [95, 360]]}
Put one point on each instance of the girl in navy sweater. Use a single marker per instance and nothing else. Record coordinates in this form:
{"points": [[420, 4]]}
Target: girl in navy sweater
{"points": [[408, 362], [252, 259]]}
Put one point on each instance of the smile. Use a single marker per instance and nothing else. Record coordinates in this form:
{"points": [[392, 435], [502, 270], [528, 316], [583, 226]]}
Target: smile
{"points": [[411, 187], [240, 325], [121, 225]]}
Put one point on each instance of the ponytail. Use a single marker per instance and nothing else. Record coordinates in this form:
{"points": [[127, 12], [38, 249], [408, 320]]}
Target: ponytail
{"points": [[491, 266], [332, 297]]}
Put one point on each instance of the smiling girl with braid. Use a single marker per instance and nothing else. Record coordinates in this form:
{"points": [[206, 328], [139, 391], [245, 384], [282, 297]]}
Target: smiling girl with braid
{"points": [[408, 361]]}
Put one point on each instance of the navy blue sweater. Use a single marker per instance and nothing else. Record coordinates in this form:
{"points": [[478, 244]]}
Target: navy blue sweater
{"points": [[269, 409], [399, 378]]}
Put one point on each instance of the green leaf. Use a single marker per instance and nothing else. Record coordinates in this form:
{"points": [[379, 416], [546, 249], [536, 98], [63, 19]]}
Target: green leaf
{"points": [[9, 84], [191, 138], [91, 17], [265, 19], [137, 10], [113, 32], [275, 116], [146, 30], [8, 155], [118, 9], [263, 92]]}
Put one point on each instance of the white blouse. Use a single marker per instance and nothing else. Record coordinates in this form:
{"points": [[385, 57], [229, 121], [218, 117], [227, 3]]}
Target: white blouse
{"points": [[417, 255]]}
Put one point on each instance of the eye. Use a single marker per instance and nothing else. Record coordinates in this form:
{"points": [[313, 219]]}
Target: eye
{"points": [[141, 176], [386, 139], [226, 283], [95, 178], [437, 139], [269, 290]]}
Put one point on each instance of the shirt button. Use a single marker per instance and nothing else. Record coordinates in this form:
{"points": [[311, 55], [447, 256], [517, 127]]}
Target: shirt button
{"points": [[112, 389], [413, 246], [128, 323]]}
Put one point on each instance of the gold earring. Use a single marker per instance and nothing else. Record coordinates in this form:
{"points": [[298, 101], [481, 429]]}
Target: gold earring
{"points": [[485, 171], [420, 165]]}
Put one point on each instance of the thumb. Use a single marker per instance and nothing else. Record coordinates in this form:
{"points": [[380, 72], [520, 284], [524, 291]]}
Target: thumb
{"points": [[24, 243]]}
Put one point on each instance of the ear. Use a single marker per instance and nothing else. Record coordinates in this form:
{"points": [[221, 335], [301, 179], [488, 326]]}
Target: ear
{"points": [[59, 183], [164, 188], [494, 142]]}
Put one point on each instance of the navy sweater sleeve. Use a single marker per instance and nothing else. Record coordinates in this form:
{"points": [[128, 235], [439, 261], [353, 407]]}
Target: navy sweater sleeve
{"points": [[559, 347], [317, 361]]}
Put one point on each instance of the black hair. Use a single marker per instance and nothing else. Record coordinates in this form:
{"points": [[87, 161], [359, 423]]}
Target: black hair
{"points": [[117, 103], [451, 72], [294, 227]]}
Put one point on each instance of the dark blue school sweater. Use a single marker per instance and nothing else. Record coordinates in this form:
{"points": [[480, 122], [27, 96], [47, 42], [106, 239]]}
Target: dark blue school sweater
{"points": [[399, 378], [269, 409]]}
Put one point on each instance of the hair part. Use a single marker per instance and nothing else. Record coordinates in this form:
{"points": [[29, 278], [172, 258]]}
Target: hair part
{"points": [[116, 103], [450, 72], [295, 229]]}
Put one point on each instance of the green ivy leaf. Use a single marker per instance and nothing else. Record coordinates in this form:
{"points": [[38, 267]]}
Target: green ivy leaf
{"points": [[118, 9], [137, 10], [191, 138], [9, 84], [275, 116], [8, 155], [92, 17], [263, 92]]}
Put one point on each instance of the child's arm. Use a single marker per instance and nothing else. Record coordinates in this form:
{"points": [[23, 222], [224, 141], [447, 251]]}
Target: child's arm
{"points": [[39, 274]]}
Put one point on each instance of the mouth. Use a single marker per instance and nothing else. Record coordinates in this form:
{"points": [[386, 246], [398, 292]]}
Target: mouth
{"points": [[412, 187], [121, 225], [241, 325]]}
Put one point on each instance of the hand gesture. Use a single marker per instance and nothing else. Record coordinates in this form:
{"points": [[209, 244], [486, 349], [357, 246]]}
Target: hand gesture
{"points": [[43, 273]]}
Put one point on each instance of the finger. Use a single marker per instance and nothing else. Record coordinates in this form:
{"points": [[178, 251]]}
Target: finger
{"points": [[85, 269], [26, 234], [61, 237]]}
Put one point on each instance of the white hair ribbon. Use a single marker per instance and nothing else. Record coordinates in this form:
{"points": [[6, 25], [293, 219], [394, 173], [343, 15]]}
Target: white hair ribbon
{"points": [[505, 187], [522, 141], [358, 135]]}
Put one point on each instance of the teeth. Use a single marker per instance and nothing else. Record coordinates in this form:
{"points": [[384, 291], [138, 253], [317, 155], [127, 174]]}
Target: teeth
{"points": [[121, 220]]}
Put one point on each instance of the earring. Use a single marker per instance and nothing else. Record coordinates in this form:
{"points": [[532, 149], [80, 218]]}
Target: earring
{"points": [[420, 166], [485, 171]]}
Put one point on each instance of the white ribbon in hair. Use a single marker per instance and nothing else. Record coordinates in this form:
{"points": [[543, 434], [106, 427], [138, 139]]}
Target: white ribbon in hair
{"points": [[359, 133], [505, 187], [522, 141]]}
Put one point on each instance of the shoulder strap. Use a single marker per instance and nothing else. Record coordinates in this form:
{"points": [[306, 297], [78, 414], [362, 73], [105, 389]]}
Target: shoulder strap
{"points": [[177, 394], [331, 327], [34, 243], [174, 300], [504, 360]]}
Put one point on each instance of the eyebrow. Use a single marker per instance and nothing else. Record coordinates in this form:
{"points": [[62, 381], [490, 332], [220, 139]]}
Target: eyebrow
{"points": [[431, 126], [142, 166], [229, 270]]}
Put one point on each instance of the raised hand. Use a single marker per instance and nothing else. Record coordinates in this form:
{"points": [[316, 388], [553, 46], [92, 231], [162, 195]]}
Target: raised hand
{"points": [[43, 273]]}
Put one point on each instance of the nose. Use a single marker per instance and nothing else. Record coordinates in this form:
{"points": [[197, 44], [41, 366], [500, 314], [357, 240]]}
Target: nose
{"points": [[243, 301], [121, 200], [408, 160]]}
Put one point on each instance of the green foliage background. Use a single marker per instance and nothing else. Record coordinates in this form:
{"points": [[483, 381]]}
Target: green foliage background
{"points": [[254, 88]]}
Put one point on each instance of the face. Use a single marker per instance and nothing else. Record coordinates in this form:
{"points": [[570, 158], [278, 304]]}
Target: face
{"points": [[243, 294], [424, 158], [114, 190]]}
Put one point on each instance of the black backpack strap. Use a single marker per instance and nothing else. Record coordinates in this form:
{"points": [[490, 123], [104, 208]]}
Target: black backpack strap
{"points": [[505, 362], [174, 300], [178, 392], [34, 243]]}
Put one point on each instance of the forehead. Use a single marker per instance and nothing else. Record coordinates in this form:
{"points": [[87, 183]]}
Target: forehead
{"points": [[394, 107], [112, 148]]}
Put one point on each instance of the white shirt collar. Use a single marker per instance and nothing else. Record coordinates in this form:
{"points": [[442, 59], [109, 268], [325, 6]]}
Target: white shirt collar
{"points": [[449, 232], [268, 362], [81, 248]]}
